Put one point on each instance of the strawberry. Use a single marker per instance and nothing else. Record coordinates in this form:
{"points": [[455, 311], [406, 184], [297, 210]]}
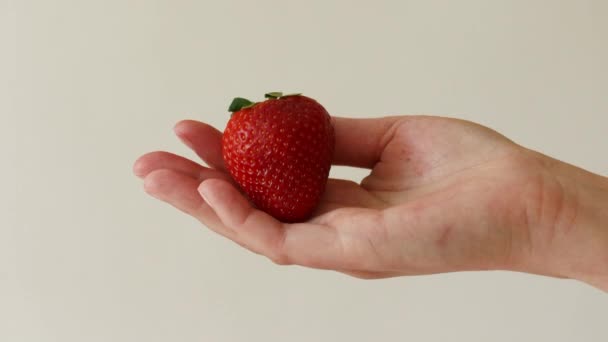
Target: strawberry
{"points": [[279, 152]]}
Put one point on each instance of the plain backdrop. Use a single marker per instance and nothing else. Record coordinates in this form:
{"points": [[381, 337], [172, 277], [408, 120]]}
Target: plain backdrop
{"points": [[88, 86]]}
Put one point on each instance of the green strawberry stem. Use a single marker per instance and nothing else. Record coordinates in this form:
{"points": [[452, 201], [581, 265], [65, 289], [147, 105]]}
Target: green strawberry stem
{"points": [[273, 95], [239, 103]]}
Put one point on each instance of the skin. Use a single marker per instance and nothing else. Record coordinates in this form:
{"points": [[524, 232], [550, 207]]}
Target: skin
{"points": [[443, 195]]}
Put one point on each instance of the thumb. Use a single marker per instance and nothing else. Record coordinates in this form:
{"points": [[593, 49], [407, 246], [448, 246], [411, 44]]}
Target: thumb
{"points": [[304, 244], [253, 228]]}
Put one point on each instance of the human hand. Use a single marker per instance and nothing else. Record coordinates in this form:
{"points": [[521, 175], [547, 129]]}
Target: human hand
{"points": [[443, 195]]}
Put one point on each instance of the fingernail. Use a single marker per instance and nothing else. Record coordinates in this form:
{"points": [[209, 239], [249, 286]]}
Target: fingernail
{"points": [[204, 193], [180, 134], [185, 140]]}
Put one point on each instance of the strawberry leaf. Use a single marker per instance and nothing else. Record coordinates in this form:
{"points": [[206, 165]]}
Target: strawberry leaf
{"points": [[294, 94], [239, 103], [273, 95]]}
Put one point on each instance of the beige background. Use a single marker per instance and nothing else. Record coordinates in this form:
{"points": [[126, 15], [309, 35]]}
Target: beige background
{"points": [[87, 86]]}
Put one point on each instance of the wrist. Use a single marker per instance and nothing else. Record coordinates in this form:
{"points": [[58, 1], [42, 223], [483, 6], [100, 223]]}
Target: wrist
{"points": [[590, 239], [577, 239]]}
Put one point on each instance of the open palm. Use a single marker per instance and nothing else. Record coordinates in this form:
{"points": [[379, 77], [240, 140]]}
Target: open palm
{"points": [[442, 195]]}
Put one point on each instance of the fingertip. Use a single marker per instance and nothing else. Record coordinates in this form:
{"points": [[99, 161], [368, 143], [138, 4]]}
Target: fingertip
{"points": [[180, 129], [153, 182], [146, 163], [187, 124], [181, 192], [181, 126], [140, 166], [203, 139], [228, 203], [213, 190], [137, 168], [203, 190]]}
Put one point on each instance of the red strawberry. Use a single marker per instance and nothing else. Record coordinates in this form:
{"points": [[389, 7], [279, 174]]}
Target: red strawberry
{"points": [[279, 152]]}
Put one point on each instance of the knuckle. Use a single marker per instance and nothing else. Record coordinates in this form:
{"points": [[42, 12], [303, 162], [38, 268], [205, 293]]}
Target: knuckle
{"points": [[278, 253], [364, 275], [280, 259]]}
